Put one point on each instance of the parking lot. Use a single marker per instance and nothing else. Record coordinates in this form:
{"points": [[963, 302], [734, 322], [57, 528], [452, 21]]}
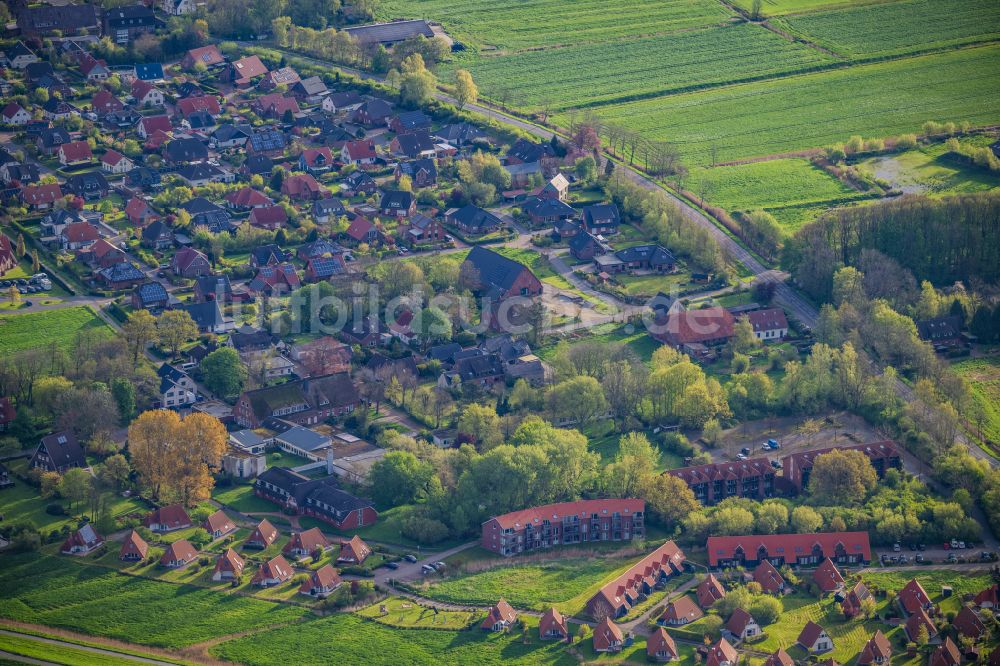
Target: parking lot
{"points": [[36, 284]]}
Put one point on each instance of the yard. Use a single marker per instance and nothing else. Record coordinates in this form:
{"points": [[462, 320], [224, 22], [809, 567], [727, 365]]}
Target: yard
{"points": [[983, 375], [634, 338], [68, 593], [240, 497], [407, 614], [356, 640], [36, 330]]}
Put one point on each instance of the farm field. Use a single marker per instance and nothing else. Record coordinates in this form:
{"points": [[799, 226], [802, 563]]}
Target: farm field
{"points": [[930, 170], [60, 592], [983, 375], [811, 110], [33, 648], [779, 7], [895, 28], [36, 330], [535, 23], [358, 641], [592, 74]]}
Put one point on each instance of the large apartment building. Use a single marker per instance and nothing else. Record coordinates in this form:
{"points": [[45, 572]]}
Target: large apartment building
{"points": [[753, 478], [564, 523], [797, 466]]}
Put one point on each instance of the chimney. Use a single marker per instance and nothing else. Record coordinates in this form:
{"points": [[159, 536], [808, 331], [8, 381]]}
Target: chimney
{"points": [[329, 462]]}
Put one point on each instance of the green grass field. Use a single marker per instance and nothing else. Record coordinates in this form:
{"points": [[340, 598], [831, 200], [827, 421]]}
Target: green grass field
{"points": [[536, 585], [813, 110], [355, 640], [536, 23], [585, 74], [407, 614], [931, 170], [241, 498], [26, 646], [774, 183], [67, 593], [35, 330], [983, 375], [779, 7], [894, 28]]}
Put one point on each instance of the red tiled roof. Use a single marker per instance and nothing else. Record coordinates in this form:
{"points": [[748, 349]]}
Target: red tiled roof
{"points": [[709, 591], [913, 596], [723, 470], [219, 522], [179, 550], [553, 620], [968, 623], [11, 109], [134, 545], [152, 123], [827, 576], [326, 577], [359, 228], [948, 654], [277, 104], [185, 257], [360, 150], [300, 185], [307, 541], [112, 157], [696, 326], [809, 635], [990, 595], [210, 55], [660, 641], [230, 561], [738, 622], [354, 550], [779, 658], [276, 568], [580, 508], [661, 558], [501, 611], [248, 68], [173, 516], [105, 101], [309, 155], [771, 319], [877, 648], [681, 611], [721, 652], [268, 216], [788, 545], [768, 577], [915, 621], [208, 103], [141, 88], [247, 197], [264, 533], [41, 194], [80, 232], [76, 151], [606, 634]]}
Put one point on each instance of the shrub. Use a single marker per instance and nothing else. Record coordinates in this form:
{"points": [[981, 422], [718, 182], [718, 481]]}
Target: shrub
{"points": [[55, 509], [906, 141], [424, 530]]}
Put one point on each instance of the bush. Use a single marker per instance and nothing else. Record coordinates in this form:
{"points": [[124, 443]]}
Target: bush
{"points": [[55, 509], [424, 530], [906, 141]]}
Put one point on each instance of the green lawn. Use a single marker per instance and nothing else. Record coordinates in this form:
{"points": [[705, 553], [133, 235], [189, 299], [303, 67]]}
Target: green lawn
{"points": [[407, 614], [35, 330], [68, 593], [983, 375], [27, 646], [930, 170], [533, 259], [814, 110], [355, 640], [778, 7], [647, 286], [604, 441], [894, 28], [566, 583], [240, 497], [635, 339]]}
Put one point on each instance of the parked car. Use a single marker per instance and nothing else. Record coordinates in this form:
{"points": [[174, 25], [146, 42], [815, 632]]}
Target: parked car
{"points": [[741, 456], [961, 545], [920, 546], [440, 565], [954, 543], [776, 464], [426, 569], [410, 558], [918, 558], [895, 548], [952, 557], [773, 443], [392, 565], [745, 450]]}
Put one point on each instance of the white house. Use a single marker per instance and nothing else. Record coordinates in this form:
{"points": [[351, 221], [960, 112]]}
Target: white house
{"points": [[114, 162], [814, 638], [15, 114]]}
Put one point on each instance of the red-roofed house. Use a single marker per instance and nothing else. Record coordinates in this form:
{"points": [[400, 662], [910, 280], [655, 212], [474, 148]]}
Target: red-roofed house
{"points": [[779, 658], [273, 572], [179, 554], [134, 548], [243, 71], [877, 650], [209, 55], [139, 212], [354, 551], [852, 603], [988, 598], [741, 625], [827, 576], [190, 263], [967, 623], [263, 536], [617, 597], [500, 617], [246, 198], [40, 197], [78, 236], [608, 637], [207, 103], [302, 186], [798, 466], [275, 105], [321, 582], [915, 622], [362, 230], [15, 114], [104, 103], [722, 654], [948, 654], [770, 580], [271, 218], [150, 124], [914, 597], [564, 523], [792, 549], [358, 153], [553, 626], [75, 152], [219, 524], [316, 160], [228, 566], [660, 646], [114, 162], [306, 543], [84, 540], [711, 327], [167, 519], [681, 611], [270, 280], [93, 69], [814, 639], [146, 94], [768, 324], [709, 591]]}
